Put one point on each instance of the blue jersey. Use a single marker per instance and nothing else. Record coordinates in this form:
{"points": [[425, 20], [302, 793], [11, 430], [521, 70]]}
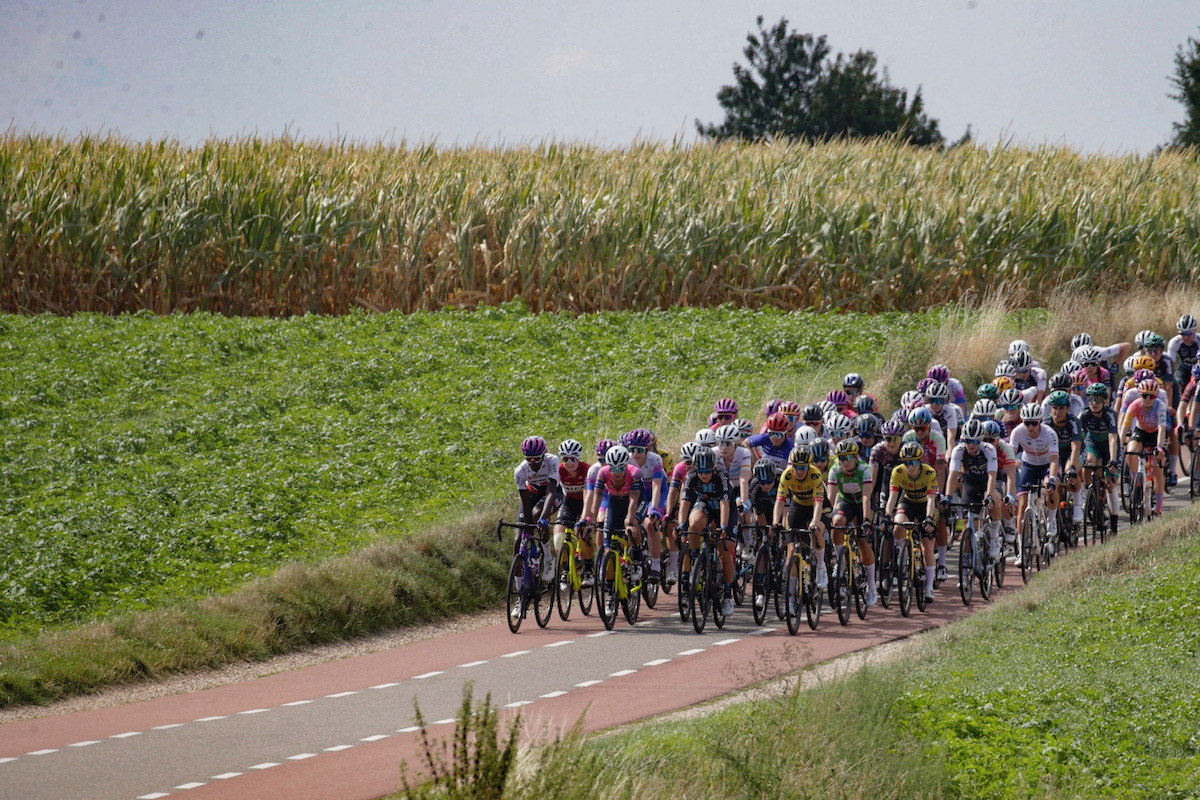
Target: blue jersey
{"points": [[776, 452]]}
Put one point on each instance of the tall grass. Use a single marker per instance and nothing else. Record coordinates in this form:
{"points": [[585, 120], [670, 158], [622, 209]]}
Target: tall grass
{"points": [[275, 227]]}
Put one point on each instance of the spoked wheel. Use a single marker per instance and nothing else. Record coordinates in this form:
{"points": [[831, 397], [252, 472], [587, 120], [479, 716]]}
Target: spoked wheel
{"points": [[683, 597], [760, 584], [903, 577], [515, 595], [1126, 486], [544, 594], [1185, 454], [1089, 517], [859, 587], [840, 582], [631, 605], [1027, 547], [794, 579], [664, 564], [716, 586], [966, 566], [741, 577], [985, 576], [1136, 511], [650, 588], [1001, 564], [565, 593], [885, 574], [811, 597], [779, 587], [700, 597], [587, 594], [606, 592], [920, 580]]}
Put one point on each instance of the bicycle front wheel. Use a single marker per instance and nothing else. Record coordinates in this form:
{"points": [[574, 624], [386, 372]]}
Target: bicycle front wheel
{"points": [[966, 566], [543, 599], [812, 597], [1193, 477], [1136, 512], [631, 603], [716, 589], [985, 576], [760, 584], [841, 583], [565, 593], [516, 594], [650, 590], [793, 582], [902, 575], [606, 590], [700, 598], [1027, 546]]}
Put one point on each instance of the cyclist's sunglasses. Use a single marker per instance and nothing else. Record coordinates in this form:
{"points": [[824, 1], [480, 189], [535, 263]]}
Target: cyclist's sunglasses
{"points": [[569, 460], [847, 458], [724, 416], [920, 427], [637, 450], [1154, 349], [534, 459], [792, 417], [1149, 397], [971, 441], [704, 472], [1012, 407], [1032, 423], [893, 439], [1101, 399], [776, 434], [852, 392], [912, 462]]}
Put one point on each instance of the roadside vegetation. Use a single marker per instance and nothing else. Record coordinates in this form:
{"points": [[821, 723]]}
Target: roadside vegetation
{"points": [[278, 227]]}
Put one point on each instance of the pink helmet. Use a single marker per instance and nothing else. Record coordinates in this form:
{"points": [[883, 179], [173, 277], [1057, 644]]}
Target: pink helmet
{"points": [[939, 373], [726, 405], [533, 447]]}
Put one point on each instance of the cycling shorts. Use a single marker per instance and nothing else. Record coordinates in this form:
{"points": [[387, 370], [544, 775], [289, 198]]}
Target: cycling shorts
{"points": [[571, 511], [1097, 449], [1030, 475], [974, 488], [916, 512], [1146, 438], [851, 510], [800, 516]]}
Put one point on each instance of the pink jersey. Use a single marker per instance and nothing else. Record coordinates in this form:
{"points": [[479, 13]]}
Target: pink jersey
{"points": [[678, 475], [619, 486]]}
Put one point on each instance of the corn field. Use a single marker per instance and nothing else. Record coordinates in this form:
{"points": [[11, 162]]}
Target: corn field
{"points": [[280, 227]]}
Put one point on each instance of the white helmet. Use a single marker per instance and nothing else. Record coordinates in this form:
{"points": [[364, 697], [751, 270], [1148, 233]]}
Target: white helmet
{"points": [[744, 427], [727, 434], [984, 408], [1018, 346], [706, 437], [911, 399], [688, 451], [826, 408], [617, 456], [805, 435], [838, 425], [570, 449], [1031, 412]]}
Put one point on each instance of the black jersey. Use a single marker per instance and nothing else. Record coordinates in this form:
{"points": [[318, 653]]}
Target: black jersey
{"points": [[710, 492]]}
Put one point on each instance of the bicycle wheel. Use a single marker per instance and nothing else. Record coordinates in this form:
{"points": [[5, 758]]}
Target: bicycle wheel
{"points": [[515, 595], [1027, 547], [742, 565], [543, 599], [919, 577], [650, 588], [664, 564], [840, 581], [631, 603], [812, 598], [794, 580], [586, 594], [1185, 454], [606, 593], [779, 585], [1089, 516], [985, 576], [902, 575], [760, 584], [1136, 512], [1193, 477], [565, 592], [683, 597], [700, 598], [717, 587], [858, 586], [966, 566], [1126, 485], [885, 573], [1001, 564]]}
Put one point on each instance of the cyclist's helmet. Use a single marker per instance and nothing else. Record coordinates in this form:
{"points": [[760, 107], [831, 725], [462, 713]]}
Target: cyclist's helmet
{"points": [[1003, 384], [838, 398], [866, 426], [706, 437], [727, 434], [778, 423], [1148, 386], [1142, 375], [838, 425], [771, 407], [744, 426], [973, 429], [805, 435], [937, 393], [1018, 346], [1139, 341], [790, 407], [910, 451], [1097, 390], [726, 405], [1060, 380], [983, 408], [847, 447], [1091, 355], [764, 471], [570, 449], [704, 460], [820, 450], [1186, 324], [617, 456], [1070, 366], [1081, 340], [939, 373], [1021, 360], [911, 399], [1031, 412], [813, 413], [988, 391], [638, 438], [1142, 362], [1079, 379], [865, 404], [1127, 365], [533, 447], [1078, 353], [1154, 340], [827, 408], [687, 452], [919, 417], [992, 429], [1005, 368], [602, 447], [924, 384], [1196, 371], [893, 427], [855, 381], [1011, 398], [800, 457], [1059, 398]]}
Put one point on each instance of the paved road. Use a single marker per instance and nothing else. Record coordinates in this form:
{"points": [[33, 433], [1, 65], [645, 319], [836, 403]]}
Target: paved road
{"points": [[341, 729]]}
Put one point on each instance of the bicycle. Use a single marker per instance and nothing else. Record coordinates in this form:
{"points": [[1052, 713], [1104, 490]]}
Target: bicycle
{"points": [[650, 587], [849, 576], [526, 587], [767, 580], [803, 591], [881, 543], [1193, 473], [1141, 499], [707, 592], [1034, 534], [623, 587], [1095, 507], [974, 556], [569, 580], [910, 571]]}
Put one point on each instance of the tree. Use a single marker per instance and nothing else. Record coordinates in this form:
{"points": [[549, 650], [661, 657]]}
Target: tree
{"points": [[792, 89], [1187, 82]]}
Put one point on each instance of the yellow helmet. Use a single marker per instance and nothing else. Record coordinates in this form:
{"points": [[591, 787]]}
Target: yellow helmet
{"points": [[1003, 382], [1142, 362]]}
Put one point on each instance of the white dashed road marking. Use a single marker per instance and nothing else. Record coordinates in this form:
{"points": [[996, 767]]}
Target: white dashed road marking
{"points": [[261, 710], [518, 653], [691, 652], [266, 765], [385, 686], [559, 644], [224, 776], [377, 737], [126, 735], [586, 684], [301, 756], [210, 719], [552, 695], [622, 673], [42, 752], [470, 664], [724, 642], [427, 675], [192, 785], [338, 748], [293, 703], [88, 743], [410, 729], [339, 694], [658, 662], [167, 727]]}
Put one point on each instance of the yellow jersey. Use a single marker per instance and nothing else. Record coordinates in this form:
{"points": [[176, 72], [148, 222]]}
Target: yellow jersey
{"points": [[914, 490], [802, 491]]}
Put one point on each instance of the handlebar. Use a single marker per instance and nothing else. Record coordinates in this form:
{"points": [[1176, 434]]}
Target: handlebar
{"points": [[523, 526]]}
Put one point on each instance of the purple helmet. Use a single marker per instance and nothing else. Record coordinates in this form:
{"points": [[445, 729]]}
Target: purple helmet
{"points": [[1143, 374], [533, 447], [1196, 371], [838, 398], [924, 384], [771, 407], [726, 405], [939, 372], [602, 447], [637, 438], [893, 427]]}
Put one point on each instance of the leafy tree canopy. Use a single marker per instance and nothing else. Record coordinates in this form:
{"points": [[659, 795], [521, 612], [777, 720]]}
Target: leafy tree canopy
{"points": [[1186, 81]]}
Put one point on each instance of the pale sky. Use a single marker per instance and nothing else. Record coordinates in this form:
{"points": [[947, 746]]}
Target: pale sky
{"points": [[1091, 75]]}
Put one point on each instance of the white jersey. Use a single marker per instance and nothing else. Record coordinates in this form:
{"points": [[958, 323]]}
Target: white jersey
{"points": [[985, 456], [737, 466], [538, 480], [1035, 450]]}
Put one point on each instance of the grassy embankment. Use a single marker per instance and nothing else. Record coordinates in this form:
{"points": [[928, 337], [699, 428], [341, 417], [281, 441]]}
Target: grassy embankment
{"points": [[283, 227]]}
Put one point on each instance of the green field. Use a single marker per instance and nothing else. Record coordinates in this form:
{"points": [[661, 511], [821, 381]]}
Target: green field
{"points": [[148, 460]]}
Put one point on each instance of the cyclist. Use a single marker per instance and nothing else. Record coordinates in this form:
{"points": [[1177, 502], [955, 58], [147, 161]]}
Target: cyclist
{"points": [[1093, 366], [1028, 375], [866, 430], [987, 391], [775, 444], [745, 429], [886, 456], [679, 474], [705, 504], [724, 412], [1010, 410], [1006, 476], [800, 496], [652, 503], [537, 483], [621, 483], [1183, 349], [572, 477], [855, 388], [940, 373], [973, 464], [984, 409], [814, 418], [668, 461], [1061, 381], [841, 402], [912, 483], [764, 485], [1066, 428], [848, 488], [1148, 417], [933, 449], [592, 511], [948, 415], [736, 462], [866, 405], [1098, 426], [1037, 449]]}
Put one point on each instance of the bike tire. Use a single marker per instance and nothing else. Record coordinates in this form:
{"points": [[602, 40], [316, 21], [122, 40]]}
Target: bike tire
{"points": [[1136, 505], [1185, 455], [903, 578], [794, 593], [650, 589], [760, 584], [700, 598], [606, 597], [1126, 484], [985, 577], [919, 582], [683, 597], [885, 574], [1027, 547], [564, 598], [1089, 517], [812, 598], [1194, 477], [741, 577], [859, 585], [664, 564], [966, 566], [840, 580], [631, 604], [544, 597], [717, 593], [515, 594], [586, 594], [779, 586]]}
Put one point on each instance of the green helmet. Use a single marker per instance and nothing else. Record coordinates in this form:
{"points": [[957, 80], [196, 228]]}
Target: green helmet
{"points": [[1097, 390], [1059, 398], [988, 391]]}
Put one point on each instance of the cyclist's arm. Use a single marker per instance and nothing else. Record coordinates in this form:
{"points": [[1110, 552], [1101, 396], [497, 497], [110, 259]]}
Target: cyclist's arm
{"points": [[867, 488], [780, 505], [635, 497], [725, 514], [991, 483], [1055, 468]]}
